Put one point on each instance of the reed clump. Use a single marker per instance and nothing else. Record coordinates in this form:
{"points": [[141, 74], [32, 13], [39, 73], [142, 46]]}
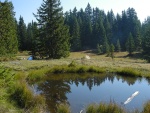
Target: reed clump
{"points": [[24, 97], [128, 72], [76, 69], [36, 75], [15, 94], [146, 107], [63, 108], [105, 108]]}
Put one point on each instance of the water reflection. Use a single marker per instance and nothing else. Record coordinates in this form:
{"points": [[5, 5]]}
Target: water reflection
{"points": [[55, 92], [57, 88]]}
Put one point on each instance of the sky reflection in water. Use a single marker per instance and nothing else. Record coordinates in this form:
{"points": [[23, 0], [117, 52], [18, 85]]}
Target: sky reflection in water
{"points": [[82, 90]]}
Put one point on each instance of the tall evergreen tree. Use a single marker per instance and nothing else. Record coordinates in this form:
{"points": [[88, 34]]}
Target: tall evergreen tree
{"points": [[130, 45], [22, 34], [146, 42], [8, 36], [108, 30], [146, 45], [75, 41], [34, 38], [118, 47], [112, 49], [87, 27], [138, 40], [53, 33], [29, 36]]}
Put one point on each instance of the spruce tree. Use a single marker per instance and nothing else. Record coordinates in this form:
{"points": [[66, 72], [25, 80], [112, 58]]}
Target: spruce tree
{"points": [[146, 42], [22, 34], [8, 36], [87, 27], [130, 45], [138, 41], [146, 45], [29, 36], [118, 47], [35, 38], [76, 42], [53, 33], [112, 49]]}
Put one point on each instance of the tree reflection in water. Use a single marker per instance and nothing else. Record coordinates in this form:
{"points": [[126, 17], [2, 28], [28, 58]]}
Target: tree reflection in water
{"points": [[55, 92], [56, 87]]}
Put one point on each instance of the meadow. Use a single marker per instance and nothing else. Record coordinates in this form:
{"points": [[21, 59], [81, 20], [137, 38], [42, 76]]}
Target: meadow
{"points": [[17, 96], [121, 63]]}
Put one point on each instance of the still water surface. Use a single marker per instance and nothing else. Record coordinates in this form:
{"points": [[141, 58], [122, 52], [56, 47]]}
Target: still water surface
{"points": [[82, 90]]}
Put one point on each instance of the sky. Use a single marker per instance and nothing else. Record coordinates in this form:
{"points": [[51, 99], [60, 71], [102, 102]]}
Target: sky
{"points": [[26, 8]]}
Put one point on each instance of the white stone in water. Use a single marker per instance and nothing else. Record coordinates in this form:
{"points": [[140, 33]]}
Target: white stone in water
{"points": [[131, 97], [81, 111], [87, 57]]}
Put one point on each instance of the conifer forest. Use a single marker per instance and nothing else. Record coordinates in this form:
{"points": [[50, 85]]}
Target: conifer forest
{"points": [[56, 33]]}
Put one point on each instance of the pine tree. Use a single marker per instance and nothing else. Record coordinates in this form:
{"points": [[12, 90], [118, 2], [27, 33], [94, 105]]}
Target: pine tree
{"points": [[112, 49], [76, 42], [130, 44], [118, 47], [103, 39], [106, 48], [99, 49], [53, 33], [8, 36], [146, 42], [22, 34], [138, 40], [35, 38], [29, 36], [87, 27], [146, 45]]}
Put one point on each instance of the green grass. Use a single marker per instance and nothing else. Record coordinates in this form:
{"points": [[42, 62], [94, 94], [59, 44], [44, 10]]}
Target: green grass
{"points": [[15, 94], [114, 108], [63, 108], [8, 57], [146, 108], [128, 72], [15, 85], [105, 108]]}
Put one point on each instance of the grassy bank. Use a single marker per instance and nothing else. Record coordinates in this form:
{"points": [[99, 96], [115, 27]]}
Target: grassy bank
{"points": [[121, 64], [39, 73], [104, 108], [114, 108], [15, 94]]}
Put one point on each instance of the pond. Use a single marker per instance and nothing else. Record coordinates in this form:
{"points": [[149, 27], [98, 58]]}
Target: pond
{"points": [[80, 90]]}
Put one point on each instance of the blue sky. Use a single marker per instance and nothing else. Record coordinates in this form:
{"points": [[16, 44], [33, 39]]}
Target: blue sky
{"points": [[26, 8]]}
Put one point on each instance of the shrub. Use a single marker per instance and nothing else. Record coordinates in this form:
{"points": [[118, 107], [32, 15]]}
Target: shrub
{"points": [[72, 64], [63, 108]]}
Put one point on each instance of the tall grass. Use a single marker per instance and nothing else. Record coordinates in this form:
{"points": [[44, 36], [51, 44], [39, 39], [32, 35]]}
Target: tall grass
{"points": [[114, 108], [146, 108], [36, 75], [76, 69], [6, 81], [63, 108], [24, 97], [128, 71], [105, 108], [15, 94], [8, 57]]}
